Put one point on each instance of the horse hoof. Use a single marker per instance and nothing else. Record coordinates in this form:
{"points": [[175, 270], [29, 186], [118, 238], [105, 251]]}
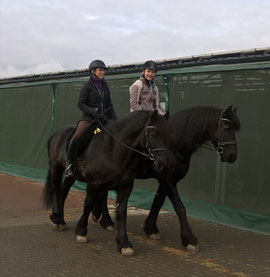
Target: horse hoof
{"points": [[110, 228], [127, 251], [59, 227], [81, 239], [192, 248], [155, 236]]}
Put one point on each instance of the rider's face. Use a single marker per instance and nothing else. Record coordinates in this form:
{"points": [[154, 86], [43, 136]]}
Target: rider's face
{"points": [[99, 72], [149, 74]]}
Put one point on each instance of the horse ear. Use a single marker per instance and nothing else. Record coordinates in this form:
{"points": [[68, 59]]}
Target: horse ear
{"points": [[234, 110], [154, 117], [166, 115], [228, 111]]}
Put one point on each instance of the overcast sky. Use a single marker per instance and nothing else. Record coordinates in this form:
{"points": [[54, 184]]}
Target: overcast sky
{"points": [[57, 35]]}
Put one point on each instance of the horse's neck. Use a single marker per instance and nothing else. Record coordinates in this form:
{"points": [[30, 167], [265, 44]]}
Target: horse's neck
{"points": [[187, 138], [128, 136]]}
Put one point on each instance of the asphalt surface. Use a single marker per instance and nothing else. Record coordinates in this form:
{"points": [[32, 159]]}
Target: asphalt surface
{"points": [[30, 246]]}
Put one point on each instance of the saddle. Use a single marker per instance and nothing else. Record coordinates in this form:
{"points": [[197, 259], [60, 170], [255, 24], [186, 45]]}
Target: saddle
{"points": [[85, 139], [76, 149]]}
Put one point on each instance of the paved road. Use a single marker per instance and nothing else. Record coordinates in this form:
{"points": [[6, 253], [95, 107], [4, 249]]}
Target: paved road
{"points": [[30, 246]]}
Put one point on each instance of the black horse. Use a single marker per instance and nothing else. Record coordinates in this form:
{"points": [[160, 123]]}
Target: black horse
{"points": [[190, 129], [111, 161]]}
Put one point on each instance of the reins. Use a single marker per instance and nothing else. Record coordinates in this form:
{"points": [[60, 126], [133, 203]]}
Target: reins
{"points": [[206, 146], [149, 155]]}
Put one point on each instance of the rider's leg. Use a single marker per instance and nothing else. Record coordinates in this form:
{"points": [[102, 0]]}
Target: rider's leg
{"points": [[85, 137], [71, 156], [72, 153]]}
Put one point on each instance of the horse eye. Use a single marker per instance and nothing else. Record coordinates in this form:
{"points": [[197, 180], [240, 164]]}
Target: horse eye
{"points": [[153, 133]]}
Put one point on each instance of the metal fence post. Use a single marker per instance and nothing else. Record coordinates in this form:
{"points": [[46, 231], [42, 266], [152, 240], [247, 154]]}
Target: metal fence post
{"points": [[167, 82], [53, 107]]}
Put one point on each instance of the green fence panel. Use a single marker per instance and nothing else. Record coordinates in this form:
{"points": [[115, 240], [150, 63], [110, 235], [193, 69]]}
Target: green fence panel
{"points": [[66, 100], [25, 116], [247, 184]]}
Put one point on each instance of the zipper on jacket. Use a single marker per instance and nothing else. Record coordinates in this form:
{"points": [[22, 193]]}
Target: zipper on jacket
{"points": [[102, 97]]}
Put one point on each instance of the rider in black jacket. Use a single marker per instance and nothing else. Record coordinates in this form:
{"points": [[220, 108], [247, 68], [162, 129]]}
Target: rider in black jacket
{"points": [[95, 103]]}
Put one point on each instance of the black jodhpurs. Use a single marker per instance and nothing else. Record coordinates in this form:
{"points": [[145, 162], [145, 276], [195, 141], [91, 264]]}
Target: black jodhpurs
{"points": [[81, 139]]}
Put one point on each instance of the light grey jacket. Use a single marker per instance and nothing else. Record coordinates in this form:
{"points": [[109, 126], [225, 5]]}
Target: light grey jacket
{"points": [[145, 96]]}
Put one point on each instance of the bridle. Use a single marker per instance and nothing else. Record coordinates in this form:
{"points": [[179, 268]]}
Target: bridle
{"points": [[149, 151], [147, 143], [221, 142]]}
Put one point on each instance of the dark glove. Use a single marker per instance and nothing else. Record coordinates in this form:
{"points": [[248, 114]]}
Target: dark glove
{"points": [[100, 117]]}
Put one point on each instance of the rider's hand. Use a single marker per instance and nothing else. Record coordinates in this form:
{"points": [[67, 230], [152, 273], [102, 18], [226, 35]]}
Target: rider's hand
{"points": [[100, 117]]}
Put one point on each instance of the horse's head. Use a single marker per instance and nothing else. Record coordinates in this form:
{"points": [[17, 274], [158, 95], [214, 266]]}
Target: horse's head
{"points": [[154, 141], [224, 138]]}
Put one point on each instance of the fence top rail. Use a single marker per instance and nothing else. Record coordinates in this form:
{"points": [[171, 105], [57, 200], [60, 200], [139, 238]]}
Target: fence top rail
{"points": [[238, 60]]}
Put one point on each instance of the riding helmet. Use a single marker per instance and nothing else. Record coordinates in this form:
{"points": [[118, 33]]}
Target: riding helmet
{"points": [[96, 64], [150, 65]]}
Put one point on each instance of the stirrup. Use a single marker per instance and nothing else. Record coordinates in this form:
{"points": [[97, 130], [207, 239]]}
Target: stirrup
{"points": [[69, 170]]}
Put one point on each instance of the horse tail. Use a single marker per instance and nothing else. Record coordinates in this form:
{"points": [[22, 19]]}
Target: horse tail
{"points": [[53, 185], [54, 176], [48, 190]]}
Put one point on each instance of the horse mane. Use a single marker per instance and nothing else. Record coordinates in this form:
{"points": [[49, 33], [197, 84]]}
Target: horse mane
{"points": [[128, 129], [137, 117], [235, 122], [192, 126]]}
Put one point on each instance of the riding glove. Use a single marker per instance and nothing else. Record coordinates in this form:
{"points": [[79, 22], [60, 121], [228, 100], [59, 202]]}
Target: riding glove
{"points": [[100, 117]]}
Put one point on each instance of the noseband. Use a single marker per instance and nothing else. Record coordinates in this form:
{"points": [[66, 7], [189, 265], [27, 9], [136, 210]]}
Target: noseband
{"points": [[220, 142], [147, 143]]}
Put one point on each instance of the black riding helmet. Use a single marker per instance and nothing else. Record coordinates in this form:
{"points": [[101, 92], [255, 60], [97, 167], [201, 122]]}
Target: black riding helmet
{"points": [[150, 65], [96, 64]]}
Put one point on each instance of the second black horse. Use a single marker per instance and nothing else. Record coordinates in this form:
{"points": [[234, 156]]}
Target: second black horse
{"points": [[190, 129]]}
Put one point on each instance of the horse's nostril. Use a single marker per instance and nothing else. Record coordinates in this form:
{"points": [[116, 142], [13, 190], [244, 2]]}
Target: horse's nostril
{"points": [[232, 157], [160, 167]]}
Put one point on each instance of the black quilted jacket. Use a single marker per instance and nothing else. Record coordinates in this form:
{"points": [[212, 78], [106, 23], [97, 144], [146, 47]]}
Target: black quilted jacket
{"points": [[92, 101]]}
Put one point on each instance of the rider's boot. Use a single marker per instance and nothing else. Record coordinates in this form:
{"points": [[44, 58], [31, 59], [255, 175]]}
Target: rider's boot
{"points": [[71, 157]]}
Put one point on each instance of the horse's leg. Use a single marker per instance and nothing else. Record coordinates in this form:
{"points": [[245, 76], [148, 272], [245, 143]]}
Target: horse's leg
{"points": [[106, 221], [101, 209], [150, 224], [65, 188], [81, 228], [96, 212], [124, 246], [188, 239]]}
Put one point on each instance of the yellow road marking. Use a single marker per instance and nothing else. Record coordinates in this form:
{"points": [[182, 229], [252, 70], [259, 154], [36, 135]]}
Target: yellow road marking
{"points": [[189, 257]]}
